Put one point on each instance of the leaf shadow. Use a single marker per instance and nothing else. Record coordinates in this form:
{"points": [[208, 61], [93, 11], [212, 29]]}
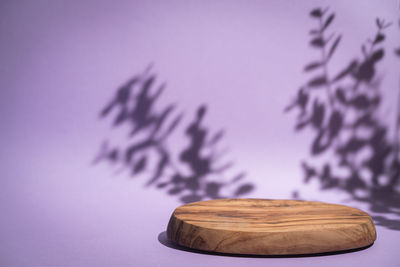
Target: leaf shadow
{"points": [[363, 159], [196, 172]]}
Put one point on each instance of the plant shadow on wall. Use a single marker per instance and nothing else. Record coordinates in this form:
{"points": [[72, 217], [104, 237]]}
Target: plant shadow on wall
{"points": [[341, 109], [194, 173]]}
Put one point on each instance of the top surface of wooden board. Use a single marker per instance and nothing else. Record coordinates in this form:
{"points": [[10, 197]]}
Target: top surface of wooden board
{"points": [[260, 226]]}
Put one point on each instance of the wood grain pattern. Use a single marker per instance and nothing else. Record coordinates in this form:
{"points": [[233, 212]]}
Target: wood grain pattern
{"points": [[270, 227]]}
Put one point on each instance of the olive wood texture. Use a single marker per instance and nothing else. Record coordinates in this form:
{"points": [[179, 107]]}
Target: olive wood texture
{"points": [[270, 227]]}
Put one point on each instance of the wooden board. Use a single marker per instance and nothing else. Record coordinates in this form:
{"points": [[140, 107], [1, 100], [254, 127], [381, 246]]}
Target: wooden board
{"points": [[270, 227]]}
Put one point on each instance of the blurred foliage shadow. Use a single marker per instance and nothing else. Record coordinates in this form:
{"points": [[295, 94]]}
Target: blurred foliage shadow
{"points": [[192, 174], [341, 109]]}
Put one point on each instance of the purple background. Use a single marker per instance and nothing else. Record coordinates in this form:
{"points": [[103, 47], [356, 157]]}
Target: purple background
{"points": [[61, 62]]}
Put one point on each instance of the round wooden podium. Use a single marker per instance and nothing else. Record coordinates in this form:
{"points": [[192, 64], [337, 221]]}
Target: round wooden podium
{"points": [[270, 227]]}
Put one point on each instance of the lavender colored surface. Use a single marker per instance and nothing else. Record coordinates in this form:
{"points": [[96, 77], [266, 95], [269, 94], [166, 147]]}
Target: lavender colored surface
{"points": [[62, 60]]}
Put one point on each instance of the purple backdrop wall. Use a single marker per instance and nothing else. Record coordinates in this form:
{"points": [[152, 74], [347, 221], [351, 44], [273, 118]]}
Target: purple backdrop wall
{"points": [[62, 62]]}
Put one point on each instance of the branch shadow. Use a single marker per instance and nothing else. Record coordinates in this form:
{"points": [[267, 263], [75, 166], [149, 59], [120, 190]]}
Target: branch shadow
{"points": [[346, 124], [196, 172]]}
